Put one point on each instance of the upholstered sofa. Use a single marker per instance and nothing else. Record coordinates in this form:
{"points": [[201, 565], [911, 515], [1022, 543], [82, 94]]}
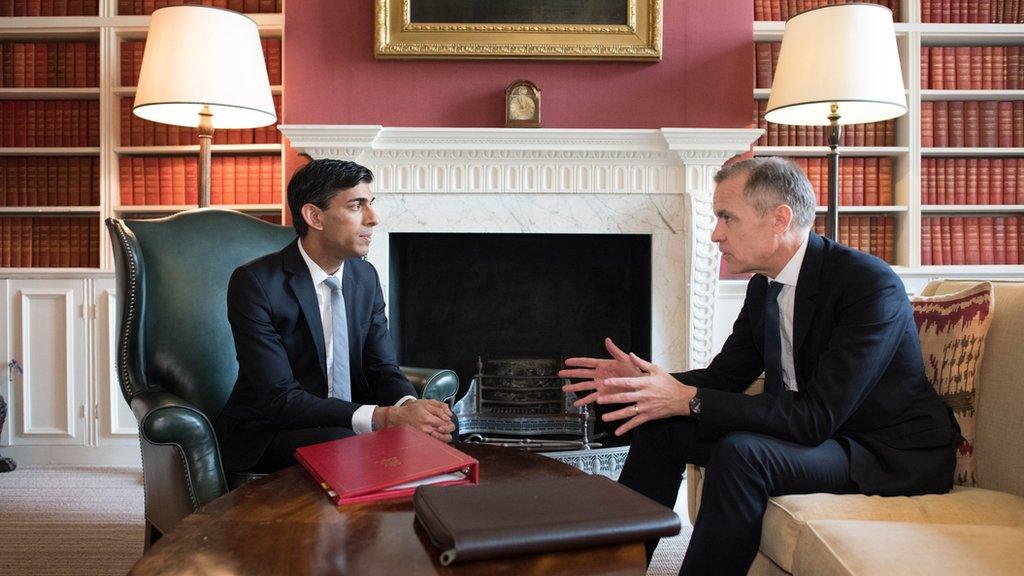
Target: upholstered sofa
{"points": [[978, 530]]}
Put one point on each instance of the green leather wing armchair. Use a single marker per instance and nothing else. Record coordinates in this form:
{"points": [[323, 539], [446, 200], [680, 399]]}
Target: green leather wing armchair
{"points": [[175, 355]]}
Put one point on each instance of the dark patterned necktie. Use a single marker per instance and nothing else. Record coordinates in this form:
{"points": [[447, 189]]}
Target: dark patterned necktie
{"points": [[773, 383]]}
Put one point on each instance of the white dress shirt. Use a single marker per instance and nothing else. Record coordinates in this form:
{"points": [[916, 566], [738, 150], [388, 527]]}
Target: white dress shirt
{"points": [[787, 297], [362, 419]]}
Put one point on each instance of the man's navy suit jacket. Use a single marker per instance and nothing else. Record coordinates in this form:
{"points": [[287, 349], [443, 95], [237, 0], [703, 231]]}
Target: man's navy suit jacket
{"points": [[859, 371], [279, 342]]}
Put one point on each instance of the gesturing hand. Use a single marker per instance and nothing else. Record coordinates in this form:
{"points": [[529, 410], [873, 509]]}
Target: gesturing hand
{"points": [[654, 395], [429, 416], [650, 392], [596, 371]]}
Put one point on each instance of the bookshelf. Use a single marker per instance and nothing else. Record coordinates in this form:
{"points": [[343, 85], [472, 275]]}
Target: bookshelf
{"points": [[59, 312], [50, 205], [917, 211], [74, 82]]}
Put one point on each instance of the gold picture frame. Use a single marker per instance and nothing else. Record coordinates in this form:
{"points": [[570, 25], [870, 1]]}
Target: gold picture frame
{"points": [[399, 33]]}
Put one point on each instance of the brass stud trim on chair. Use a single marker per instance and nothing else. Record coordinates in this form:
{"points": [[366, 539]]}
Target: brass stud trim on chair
{"points": [[130, 320]]}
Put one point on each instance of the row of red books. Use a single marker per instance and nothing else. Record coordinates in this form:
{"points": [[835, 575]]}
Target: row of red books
{"points": [[872, 234], [972, 11], [972, 124], [49, 181], [51, 123], [132, 52], [49, 7], [142, 7], [138, 132], [862, 181], [942, 67], [274, 218], [972, 181], [971, 68], [954, 240], [785, 9], [49, 242], [173, 180], [870, 134], [50, 64]]}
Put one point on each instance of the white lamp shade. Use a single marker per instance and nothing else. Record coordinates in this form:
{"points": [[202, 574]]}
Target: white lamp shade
{"points": [[844, 54], [200, 56]]}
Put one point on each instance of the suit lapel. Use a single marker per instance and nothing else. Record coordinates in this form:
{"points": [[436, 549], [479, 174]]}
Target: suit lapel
{"points": [[302, 286], [349, 287], [807, 285]]}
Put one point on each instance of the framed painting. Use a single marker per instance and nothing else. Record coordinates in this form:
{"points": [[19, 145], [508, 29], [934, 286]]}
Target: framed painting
{"points": [[542, 29]]}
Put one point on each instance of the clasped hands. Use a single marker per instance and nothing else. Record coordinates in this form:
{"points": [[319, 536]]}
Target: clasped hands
{"points": [[428, 416], [650, 392]]}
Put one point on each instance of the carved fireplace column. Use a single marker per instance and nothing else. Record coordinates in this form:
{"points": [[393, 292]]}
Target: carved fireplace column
{"points": [[703, 153]]}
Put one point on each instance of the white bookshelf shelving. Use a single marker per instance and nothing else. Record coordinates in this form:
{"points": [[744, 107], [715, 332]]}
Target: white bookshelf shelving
{"points": [[908, 209]]}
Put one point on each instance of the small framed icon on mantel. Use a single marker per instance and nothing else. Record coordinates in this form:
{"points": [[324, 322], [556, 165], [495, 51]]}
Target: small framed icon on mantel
{"points": [[522, 105]]}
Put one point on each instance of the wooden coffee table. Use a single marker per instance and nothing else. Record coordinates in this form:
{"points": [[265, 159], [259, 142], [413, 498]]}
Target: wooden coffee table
{"points": [[284, 524]]}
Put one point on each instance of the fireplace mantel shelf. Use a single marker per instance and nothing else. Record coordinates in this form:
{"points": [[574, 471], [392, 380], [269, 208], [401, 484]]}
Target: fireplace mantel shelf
{"points": [[723, 141]]}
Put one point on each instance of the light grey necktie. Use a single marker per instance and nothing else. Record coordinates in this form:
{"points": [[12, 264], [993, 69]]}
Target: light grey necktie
{"points": [[341, 386]]}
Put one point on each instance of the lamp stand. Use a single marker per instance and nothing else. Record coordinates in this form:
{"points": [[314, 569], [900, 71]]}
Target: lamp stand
{"points": [[834, 134], [205, 143]]}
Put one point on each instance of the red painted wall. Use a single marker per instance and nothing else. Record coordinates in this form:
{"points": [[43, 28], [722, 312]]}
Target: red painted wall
{"points": [[703, 80]]}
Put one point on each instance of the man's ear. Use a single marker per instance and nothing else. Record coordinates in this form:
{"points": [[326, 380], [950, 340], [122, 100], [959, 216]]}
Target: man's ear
{"points": [[783, 218], [313, 216]]}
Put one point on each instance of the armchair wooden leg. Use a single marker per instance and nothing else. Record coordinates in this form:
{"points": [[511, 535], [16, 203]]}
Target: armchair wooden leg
{"points": [[152, 534]]}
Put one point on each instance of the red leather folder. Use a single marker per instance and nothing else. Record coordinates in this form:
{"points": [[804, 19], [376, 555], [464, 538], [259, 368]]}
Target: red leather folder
{"points": [[380, 465]]}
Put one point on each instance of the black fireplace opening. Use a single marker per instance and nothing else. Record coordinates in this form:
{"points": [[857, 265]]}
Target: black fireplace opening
{"points": [[457, 297]]}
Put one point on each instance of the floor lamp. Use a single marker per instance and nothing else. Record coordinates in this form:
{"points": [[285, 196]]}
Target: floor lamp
{"points": [[837, 65], [203, 68]]}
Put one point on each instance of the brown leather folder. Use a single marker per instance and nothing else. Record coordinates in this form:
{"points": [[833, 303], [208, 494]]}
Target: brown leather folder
{"points": [[499, 519]]}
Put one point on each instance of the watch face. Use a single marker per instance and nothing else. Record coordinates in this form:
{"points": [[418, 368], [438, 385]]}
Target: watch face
{"points": [[521, 107]]}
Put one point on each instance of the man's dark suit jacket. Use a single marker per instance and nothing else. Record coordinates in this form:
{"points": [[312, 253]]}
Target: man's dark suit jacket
{"points": [[279, 341], [859, 371]]}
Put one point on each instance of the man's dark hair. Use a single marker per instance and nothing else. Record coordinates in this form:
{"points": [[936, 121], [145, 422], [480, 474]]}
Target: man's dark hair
{"points": [[318, 182]]}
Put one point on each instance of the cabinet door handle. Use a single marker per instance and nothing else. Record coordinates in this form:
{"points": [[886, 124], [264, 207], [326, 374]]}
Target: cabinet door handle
{"points": [[13, 365]]}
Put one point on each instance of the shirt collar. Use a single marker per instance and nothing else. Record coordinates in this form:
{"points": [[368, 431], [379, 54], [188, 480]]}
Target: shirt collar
{"points": [[791, 271], [315, 271]]}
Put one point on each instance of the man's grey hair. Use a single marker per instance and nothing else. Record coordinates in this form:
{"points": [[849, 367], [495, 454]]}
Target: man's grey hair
{"points": [[771, 182]]}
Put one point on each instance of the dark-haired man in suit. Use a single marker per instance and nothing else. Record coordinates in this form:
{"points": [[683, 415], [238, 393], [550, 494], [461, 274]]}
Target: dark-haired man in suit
{"points": [[315, 359], [846, 406]]}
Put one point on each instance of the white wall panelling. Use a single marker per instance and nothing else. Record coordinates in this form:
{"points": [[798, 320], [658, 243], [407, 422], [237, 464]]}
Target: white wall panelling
{"points": [[49, 395], [65, 408]]}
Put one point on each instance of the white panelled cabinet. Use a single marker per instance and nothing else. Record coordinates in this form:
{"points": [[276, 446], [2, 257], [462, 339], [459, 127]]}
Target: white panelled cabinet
{"points": [[64, 405], [114, 422]]}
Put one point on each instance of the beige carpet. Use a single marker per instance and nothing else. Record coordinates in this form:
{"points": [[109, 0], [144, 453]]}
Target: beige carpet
{"points": [[70, 521], [63, 521]]}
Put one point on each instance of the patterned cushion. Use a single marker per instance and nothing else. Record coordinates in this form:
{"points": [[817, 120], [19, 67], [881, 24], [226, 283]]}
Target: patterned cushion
{"points": [[952, 328]]}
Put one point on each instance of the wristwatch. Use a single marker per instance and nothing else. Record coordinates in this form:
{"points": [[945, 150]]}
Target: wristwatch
{"points": [[695, 404]]}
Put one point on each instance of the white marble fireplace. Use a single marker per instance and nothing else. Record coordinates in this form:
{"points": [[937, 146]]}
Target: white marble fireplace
{"points": [[657, 182]]}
